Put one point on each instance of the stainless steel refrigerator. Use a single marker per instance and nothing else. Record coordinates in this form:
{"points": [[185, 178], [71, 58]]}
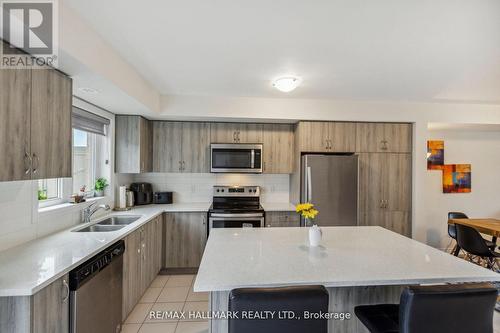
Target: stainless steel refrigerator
{"points": [[330, 182]]}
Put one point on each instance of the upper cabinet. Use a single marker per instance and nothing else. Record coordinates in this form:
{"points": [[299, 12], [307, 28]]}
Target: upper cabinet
{"points": [[236, 133], [278, 148], [15, 114], [134, 144], [337, 137], [35, 124], [51, 124], [383, 138], [181, 146]]}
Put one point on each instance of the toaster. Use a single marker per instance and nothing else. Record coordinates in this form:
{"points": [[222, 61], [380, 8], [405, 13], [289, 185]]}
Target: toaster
{"points": [[162, 197]]}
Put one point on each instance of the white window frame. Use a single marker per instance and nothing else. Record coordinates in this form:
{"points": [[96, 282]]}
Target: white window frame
{"points": [[90, 192]]}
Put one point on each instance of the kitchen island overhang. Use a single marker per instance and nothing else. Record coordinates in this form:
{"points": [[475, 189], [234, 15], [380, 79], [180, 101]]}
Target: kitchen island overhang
{"points": [[358, 265]]}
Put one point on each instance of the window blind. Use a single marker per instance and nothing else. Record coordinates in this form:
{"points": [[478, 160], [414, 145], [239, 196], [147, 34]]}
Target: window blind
{"points": [[89, 122]]}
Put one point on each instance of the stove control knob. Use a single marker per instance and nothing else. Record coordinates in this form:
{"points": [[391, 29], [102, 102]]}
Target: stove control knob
{"points": [[222, 190], [218, 190]]}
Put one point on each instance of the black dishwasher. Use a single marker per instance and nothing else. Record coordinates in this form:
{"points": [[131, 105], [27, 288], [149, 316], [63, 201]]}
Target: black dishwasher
{"points": [[96, 292]]}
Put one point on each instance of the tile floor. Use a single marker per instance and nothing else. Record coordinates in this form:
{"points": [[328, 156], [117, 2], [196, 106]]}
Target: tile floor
{"points": [[168, 293], [175, 293]]}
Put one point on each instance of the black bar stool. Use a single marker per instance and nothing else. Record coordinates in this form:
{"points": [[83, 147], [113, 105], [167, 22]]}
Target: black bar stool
{"points": [[470, 240], [463, 308], [452, 232], [297, 299]]}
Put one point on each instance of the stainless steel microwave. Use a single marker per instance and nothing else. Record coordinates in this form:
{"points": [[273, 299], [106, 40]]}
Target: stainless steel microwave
{"points": [[235, 158]]}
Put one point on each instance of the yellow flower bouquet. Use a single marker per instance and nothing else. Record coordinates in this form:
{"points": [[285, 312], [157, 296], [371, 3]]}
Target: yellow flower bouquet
{"points": [[307, 211]]}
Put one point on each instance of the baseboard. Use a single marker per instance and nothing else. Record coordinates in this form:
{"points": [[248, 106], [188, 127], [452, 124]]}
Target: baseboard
{"points": [[179, 271]]}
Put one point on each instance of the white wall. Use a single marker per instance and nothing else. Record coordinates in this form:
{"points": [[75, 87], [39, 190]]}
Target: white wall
{"points": [[482, 150], [197, 187]]}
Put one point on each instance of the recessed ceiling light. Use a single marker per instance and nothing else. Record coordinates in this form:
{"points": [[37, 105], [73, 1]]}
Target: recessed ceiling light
{"points": [[88, 90], [286, 83]]}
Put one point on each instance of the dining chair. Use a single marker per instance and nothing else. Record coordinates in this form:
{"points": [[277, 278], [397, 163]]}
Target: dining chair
{"points": [[452, 232], [295, 299], [470, 240], [460, 308]]}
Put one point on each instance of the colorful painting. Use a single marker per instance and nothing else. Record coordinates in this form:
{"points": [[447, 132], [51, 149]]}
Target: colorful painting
{"points": [[435, 155], [457, 178]]}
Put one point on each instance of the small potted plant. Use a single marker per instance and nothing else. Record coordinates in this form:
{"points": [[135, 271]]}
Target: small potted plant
{"points": [[100, 185]]}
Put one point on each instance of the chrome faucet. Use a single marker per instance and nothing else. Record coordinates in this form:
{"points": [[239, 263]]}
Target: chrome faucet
{"points": [[91, 209]]}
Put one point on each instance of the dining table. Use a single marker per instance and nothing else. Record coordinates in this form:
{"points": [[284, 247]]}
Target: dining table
{"points": [[488, 226]]}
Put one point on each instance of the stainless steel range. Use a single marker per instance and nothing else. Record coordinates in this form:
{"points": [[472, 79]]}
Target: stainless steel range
{"points": [[236, 207]]}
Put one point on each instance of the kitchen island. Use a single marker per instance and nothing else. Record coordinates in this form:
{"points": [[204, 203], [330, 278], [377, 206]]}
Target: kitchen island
{"points": [[358, 265]]}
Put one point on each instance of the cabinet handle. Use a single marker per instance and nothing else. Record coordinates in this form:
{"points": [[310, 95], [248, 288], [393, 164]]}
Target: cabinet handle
{"points": [[66, 288], [234, 137], [35, 166], [238, 136], [331, 144], [27, 158], [180, 165], [183, 165], [383, 145]]}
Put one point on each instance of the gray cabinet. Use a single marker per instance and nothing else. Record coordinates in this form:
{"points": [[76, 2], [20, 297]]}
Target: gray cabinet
{"points": [[51, 104], [51, 308], [15, 104], [141, 262], [385, 190], [133, 144], [181, 146], [278, 148], [326, 136], [46, 311], [185, 239], [384, 137], [282, 219], [35, 124], [236, 133]]}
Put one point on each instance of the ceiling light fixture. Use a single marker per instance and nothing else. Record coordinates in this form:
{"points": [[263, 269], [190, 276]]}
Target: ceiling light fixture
{"points": [[88, 90], [286, 83]]}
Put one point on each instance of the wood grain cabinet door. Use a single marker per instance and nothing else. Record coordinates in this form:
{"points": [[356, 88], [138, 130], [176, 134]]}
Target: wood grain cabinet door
{"points": [[224, 132], [341, 137], [167, 146], [15, 145], [313, 136], [185, 239], [282, 219], [51, 308], [235, 133], [131, 272], [278, 149], [146, 145], [372, 181], [51, 102], [384, 138], [195, 147], [398, 181]]}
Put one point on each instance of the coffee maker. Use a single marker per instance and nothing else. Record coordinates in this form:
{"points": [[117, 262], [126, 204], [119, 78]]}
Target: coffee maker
{"points": [[143, 193]]}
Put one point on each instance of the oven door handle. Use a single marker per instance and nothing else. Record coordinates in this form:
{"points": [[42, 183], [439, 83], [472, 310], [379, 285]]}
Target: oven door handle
{"points": [[252, 159], [237, 215]]}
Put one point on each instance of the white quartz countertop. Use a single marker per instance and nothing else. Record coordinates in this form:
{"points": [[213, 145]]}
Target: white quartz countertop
{"points": [[29, 267], [348, 256], [278, 206]]}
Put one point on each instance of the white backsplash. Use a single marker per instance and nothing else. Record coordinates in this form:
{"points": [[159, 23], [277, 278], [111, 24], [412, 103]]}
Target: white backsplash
{"points": [[197, 187]]}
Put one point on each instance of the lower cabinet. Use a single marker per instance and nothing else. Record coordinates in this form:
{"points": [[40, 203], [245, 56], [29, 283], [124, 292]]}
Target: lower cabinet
{"points": [[397, 221], [282, 219], [46, 311], [185, 239], [141, 262]]}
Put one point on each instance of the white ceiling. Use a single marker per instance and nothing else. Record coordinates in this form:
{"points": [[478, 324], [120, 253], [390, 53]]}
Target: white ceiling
{"points": [[342, 49]]}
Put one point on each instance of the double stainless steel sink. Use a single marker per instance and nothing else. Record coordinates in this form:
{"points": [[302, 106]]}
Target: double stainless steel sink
{"points": [[112, 223]]}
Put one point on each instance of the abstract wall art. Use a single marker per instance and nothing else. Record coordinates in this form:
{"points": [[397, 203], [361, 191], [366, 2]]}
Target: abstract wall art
{"points": [[435, 154], [456, 177]]}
